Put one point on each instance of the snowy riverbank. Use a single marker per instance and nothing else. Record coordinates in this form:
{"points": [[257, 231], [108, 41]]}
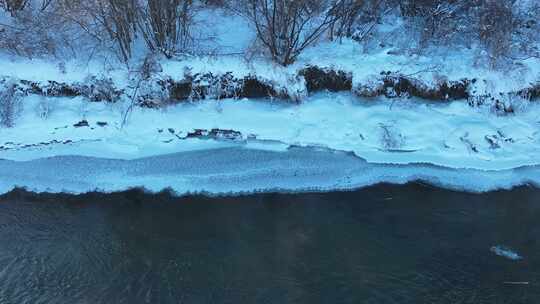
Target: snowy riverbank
{"points": [[381, 131], [253, 145], [439, 115]]}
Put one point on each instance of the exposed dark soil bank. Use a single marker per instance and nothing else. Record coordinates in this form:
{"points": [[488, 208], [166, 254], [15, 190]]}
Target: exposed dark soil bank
{"points": [[202, 86], [318, 79], [94, 89], [219, 86], [392, 85]]}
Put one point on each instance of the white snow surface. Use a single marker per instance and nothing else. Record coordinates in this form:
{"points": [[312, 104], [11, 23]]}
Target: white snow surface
{"points": [[330, 141]]}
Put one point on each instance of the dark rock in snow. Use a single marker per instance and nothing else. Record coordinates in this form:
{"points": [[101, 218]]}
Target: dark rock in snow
{"points": [[470, 145], [215, 134], [492, 141], [82, 123]]}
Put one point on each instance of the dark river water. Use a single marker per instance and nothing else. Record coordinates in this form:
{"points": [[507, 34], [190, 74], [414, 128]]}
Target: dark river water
{"points": [[382, 244]]}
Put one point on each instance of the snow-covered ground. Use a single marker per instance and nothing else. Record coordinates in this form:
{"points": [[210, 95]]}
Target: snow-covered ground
{"points": [[393, 140], [398, 131], [228, 48]]}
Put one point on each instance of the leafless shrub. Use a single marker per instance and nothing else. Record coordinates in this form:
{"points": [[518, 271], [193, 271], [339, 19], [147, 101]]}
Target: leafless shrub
{"points": [[496, 25], [163, 24], [509, 31], [287, 27], [13, 6], [10, 105], [527, 30], [355, 18], [437, 21], [166, 25], [58, 28], [119, 18], [29, 35]]}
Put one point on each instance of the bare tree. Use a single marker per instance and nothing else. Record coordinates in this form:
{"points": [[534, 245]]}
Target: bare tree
{"points": [[166, 25], [287, 27]]}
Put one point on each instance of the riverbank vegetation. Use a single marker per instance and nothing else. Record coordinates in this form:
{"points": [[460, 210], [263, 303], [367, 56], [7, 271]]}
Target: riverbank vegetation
{"points": [[499, 30], [154, 53]]}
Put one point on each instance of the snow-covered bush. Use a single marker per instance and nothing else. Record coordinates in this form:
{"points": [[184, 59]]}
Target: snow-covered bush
{"points": [[10, 105], [100, 89], [148, 92]]}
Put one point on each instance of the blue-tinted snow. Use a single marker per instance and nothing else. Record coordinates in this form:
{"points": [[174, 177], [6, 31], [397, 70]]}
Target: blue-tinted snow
{"points": [[241, 170]]}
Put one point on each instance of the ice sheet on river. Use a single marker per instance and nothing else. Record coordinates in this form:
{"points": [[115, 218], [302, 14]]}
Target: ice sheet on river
{"points": [[241, 170]]}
